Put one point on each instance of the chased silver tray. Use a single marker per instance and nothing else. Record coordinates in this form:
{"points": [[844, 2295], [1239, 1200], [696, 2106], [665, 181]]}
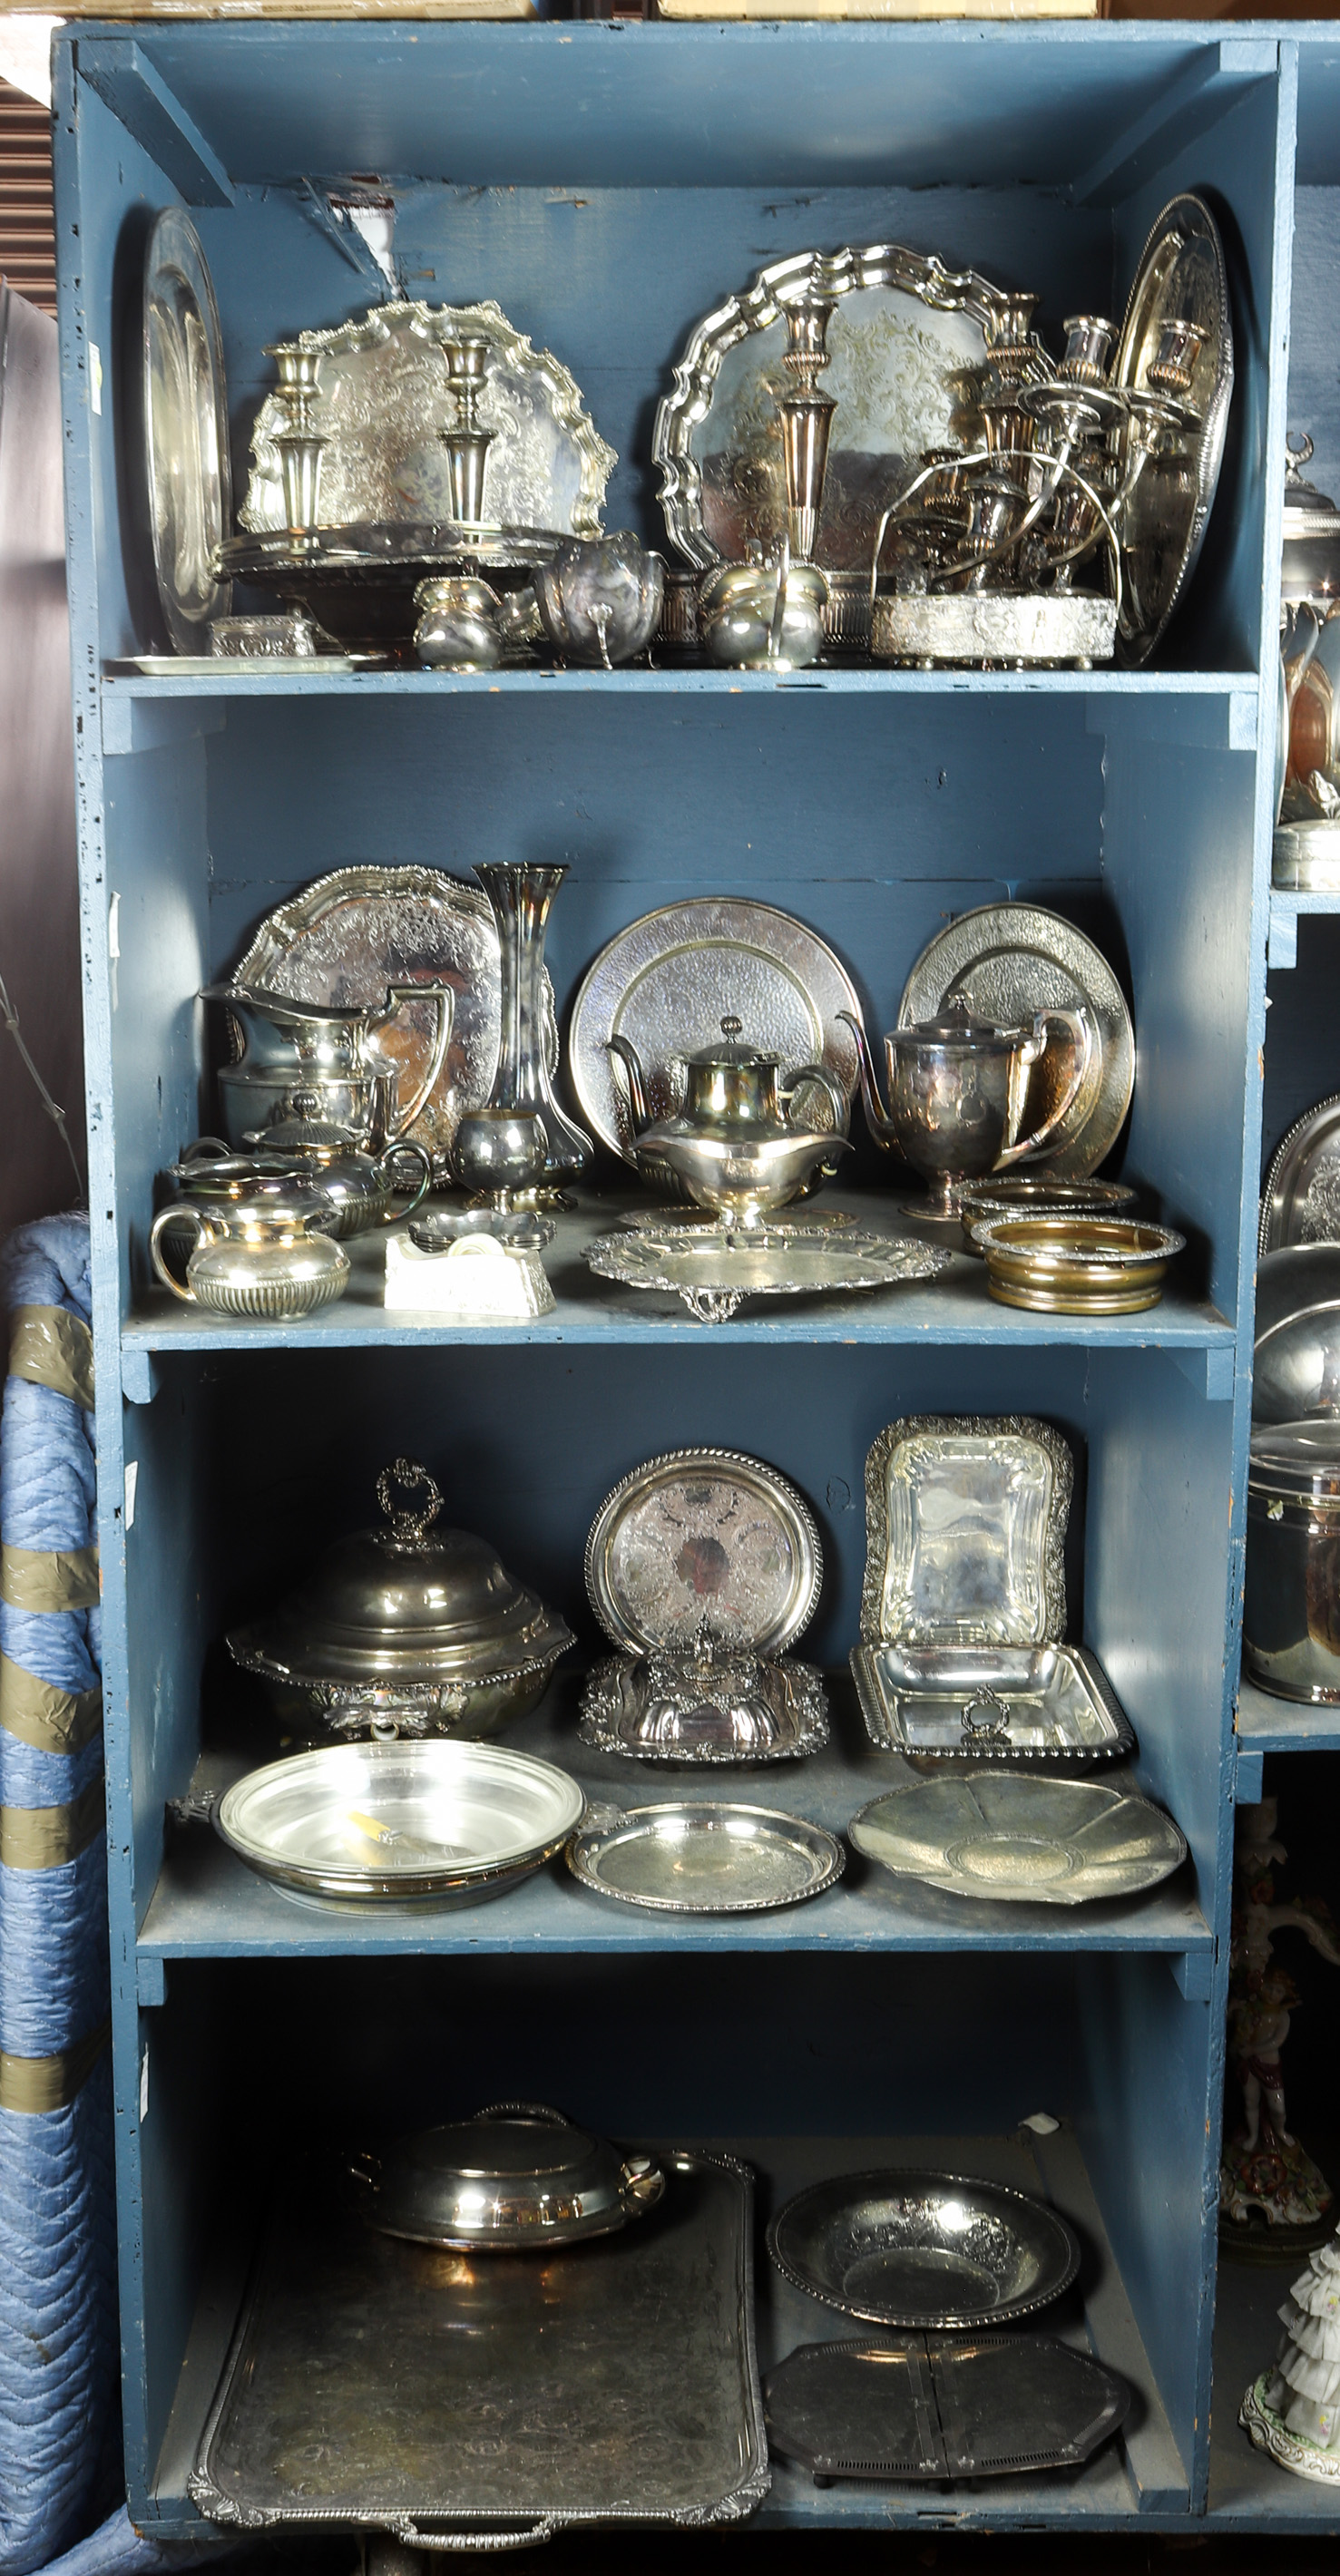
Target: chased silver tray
{"points": [[1061, 1710], [904, 330], [383, 399], [187, 459], [348, 935], [1022, 1837], [682, 1707], [965, 1522], [1010, 960], [1300, 1201], [667, 981], [1181, 277], [975, 2406], [703, 1541], [387, 2386], [714, 1273], [692, 1857], [922, 2250]]}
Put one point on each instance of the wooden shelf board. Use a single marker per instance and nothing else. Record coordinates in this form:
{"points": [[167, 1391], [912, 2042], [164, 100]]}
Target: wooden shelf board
{"points": [[859, 679], [1269, 1725]]}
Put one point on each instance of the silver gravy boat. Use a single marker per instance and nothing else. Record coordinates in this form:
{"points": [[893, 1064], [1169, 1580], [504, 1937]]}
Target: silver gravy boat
{"points": [[733, 1146], [956, 1095]]}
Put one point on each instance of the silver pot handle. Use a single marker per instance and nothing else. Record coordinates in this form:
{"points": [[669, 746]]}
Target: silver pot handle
{"points": [[406, 1145], [541, 2111], [182, 1212], [526, 2538], [641, 2183], [817, 1073], [1076, 1024]]}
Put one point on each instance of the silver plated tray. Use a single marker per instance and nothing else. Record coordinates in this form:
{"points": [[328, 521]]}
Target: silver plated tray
{"points": [[350, 934], [714, 1273], [903, 331], [965, 1518], [691, 1857], [1063, 1712], [670, 1708], [186, 430], [1023, 1837], [704, 1540], [1181, 277], [667, 981], [916, 2249], [976, 2406], [662, 1217], [1009, 961], [1300, 1202], [261, 666], [383, 398], [411, 1822], [395, 2387]]}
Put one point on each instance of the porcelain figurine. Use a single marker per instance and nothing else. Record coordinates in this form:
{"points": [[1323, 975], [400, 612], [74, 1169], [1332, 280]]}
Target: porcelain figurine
{"points": [[1272, 2197], [1293, 2411]]}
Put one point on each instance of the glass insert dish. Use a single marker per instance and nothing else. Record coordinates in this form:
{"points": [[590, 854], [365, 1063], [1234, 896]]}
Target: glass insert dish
{"points": [[1047, 1704], [695, 1858], [977, 2406], [913, 2248], [1020, 1836], [703, 1539], [965, 1530]]}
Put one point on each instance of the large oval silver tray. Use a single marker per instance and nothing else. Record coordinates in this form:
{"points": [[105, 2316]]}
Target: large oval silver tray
{"points": [[714, 1273], [383, 394], [411, 1822], [998, 2403], [912, 2248], [691, 1857], [904, 331], [1010, 960], [348, 935], [186, 429], [704, 1539], [668, 980], [1300, 1202], [1022, 1837], [1181, 277]]}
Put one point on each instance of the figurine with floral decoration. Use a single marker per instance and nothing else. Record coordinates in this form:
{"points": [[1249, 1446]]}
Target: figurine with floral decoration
{"points": [[1274, 2201], [1293, 2411]]}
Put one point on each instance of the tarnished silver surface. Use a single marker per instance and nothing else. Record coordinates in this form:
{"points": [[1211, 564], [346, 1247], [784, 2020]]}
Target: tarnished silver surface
{"points": [[1015, 1194], [517, 2177], [1062, 1711], [1080, 1264], [909, 2248], [350, 934], [975, 2407], [666, 983], [269, 1256], [1305, 857], [965, 1522], [1181, 277], [469, 2403], [1300, 1201], [1291, 1613], [957, 1086], [714, 1273], [742, 1144], [704, 1539], [187, 457], [1021, 1836], [904, 328], [675, 1706], [1040, 630], [1011, 960], [383, 400], [693, 1858]]}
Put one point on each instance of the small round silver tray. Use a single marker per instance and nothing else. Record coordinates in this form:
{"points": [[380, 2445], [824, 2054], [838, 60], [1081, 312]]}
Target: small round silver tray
{"points": [[703, 1549], [1024, 1837], [428, 1822], [921, 2250], [670, 1707], [695, 1858], [713, 1272]]}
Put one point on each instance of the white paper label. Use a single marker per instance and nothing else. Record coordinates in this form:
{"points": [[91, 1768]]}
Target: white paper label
{"points": [[132, 1479], [95, 376], [144, 2086]]}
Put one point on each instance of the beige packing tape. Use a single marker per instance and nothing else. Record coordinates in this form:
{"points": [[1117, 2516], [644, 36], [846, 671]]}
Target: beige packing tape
{"points": [[49, 2083], [51, 1347], [47, 1837], [39, 1578], [53, 1721]]}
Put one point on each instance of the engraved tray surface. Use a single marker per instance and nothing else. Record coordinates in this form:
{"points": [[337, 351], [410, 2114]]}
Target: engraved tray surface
{"points": [[1300, 1202], [375, 2382], [965, 1530]]}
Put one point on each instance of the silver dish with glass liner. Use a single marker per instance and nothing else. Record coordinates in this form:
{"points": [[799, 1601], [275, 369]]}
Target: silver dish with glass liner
{"points": [[689, 1857], [517, 2178], [1021, 1837], [188, 463], [713, 1272], [912, 2248], [371, 1825], [1291, 1608]]}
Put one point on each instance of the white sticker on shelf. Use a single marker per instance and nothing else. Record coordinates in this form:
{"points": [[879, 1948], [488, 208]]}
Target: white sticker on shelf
{"points": [[1041, 2123], [114, 940], [144, 2084], [132, 1480], [95, 377]]}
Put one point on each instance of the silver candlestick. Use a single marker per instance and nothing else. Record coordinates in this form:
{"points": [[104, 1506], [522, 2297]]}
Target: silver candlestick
{"points": [[467, 445], [299, 442], [807, 421]]}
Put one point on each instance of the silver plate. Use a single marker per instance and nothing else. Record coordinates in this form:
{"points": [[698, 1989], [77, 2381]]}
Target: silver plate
{"points": [[977, 2406], [714, 1273], [349, 935], [462, 1820], [383, 394], [1063, 1711], [704, 1540], [1300, 1202], [668, 981], [782, 1704], [1181, 277], [186, 429], [1010, 960], [696, 1858], [965, 1521], [1021, 1837], [935, 2251], [903, 329]]}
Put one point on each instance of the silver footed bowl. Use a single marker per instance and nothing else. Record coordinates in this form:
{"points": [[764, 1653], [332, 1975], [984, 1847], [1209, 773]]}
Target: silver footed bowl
{"points": [[918, 2249]]}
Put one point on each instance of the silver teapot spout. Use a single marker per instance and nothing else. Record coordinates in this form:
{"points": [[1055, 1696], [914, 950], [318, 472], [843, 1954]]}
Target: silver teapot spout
{"points": [[877, 1119], [628, 1057]]}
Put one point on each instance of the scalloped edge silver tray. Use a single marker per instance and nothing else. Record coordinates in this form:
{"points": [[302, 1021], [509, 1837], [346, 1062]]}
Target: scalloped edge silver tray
{"points": [[1283, 1202], [760, 1486]]}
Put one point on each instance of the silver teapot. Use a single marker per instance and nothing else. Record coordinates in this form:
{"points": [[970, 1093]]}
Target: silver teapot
{"points": [[360, 1189], [734, 1146], [760, 616], [956, 1094]]}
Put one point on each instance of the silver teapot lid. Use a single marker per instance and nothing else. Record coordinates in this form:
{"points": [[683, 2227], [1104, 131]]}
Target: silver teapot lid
{"points": [[297, 1127], [733, 1048]]}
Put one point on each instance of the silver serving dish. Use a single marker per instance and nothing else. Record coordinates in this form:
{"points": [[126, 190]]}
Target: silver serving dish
{"points": [[704, 1706], [965, 1532], [714, 1273], [1291, 1609], [1296, 1363], [912, 2248], [1300, 1199], [1022, 1837], [977, 2406], [185, 430], [666, 1218], [693, 1858], [410, 1628], [704, 1533], [1046, 1704], [517, 2178], [372, 1825], [1077, 1265], [1181, 278], [361, 581]]}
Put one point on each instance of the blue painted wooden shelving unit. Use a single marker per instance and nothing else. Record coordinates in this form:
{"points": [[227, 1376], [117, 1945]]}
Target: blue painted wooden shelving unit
{"points": [[608, 184]]}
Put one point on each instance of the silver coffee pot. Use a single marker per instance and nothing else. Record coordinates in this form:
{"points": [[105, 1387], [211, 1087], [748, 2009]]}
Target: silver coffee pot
{"points": [[956, 1089]]}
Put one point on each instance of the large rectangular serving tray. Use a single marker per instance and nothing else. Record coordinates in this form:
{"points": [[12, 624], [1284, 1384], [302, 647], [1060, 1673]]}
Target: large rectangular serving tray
{"points": [[1056, 1703], [383, 2385]]}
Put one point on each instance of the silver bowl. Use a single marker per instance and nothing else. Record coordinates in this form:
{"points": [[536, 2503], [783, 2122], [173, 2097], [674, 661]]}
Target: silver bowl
{"points": [[934, 2252]]}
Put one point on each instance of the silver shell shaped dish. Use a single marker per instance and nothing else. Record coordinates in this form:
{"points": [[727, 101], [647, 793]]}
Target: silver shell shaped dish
{"points": [[983, 2405], [517, 2178], [703, 1539], [451, 1823], [713, 1273], [1008, 961], [1300, 1200], [673, 1708], [1060, 1710], [692, 1857], [965, 1519], [1181, 277], [914, 2249], [187, 454], [1019, 1837]]}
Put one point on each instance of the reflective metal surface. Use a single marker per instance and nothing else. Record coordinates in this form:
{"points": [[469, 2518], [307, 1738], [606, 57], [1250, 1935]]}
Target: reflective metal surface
{"points": [[1291, 1609], [1044, 630], [1181, 278], [186, 430], [910, 2248], [763, 616], [392, 2386], [714, 1273], [1023, 1837], [599, 600], [956, 1090], [979, 2406], [692, 1858], [965, 1521], [333, 1052], [1300, 1198], [517, 2177], [1310, 551], [379, 1824], [521, 893], [1015, 1194], [266, 1257], [1062, 1709], [713, 1705], [1077, 1265], [1296, 1362], [704, 1540]]}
